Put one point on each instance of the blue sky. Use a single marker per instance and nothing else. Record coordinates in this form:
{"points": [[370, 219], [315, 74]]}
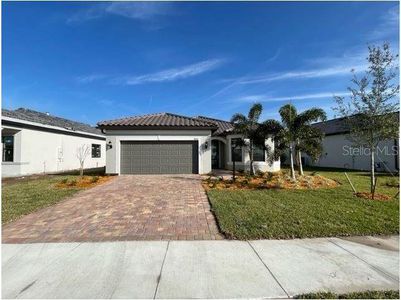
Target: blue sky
{"points": [[91, 61]]}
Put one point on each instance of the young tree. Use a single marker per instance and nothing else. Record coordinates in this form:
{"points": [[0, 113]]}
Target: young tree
{"points": [[248, 128], [82, 153], [371, 112]]}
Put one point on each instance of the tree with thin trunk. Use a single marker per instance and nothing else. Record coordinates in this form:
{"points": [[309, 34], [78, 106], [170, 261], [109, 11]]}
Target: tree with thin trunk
{"points": [[248, 128], [82, 153], [372, 111], [295, 134]]}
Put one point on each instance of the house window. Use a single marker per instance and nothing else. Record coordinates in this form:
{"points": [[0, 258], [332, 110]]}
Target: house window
{"points": [[8, 148], [258, 153], [236, 150], [96, 151]]}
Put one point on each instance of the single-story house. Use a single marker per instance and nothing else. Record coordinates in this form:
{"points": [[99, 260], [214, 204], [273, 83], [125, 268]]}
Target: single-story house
{"points": [[165, 143], [340, 152], [34, 142]]}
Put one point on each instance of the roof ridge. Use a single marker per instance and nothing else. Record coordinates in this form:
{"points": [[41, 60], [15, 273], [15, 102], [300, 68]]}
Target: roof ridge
{"points": [[214, 119]]}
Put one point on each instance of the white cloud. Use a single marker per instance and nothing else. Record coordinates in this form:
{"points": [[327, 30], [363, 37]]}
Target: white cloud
{"points": [[389, 25], [142, 11], [304, 74], [90, 78], [269, 98], [172, 74], [161, 76]]}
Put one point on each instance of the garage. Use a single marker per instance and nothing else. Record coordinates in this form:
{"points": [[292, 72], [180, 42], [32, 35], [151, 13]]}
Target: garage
{"points": [[159, 157]]}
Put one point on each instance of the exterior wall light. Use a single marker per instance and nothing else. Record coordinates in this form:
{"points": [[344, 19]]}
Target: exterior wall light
{"points": [[109, 145], [206, 145]]}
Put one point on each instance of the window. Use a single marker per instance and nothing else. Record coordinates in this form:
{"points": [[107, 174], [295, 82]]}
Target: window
{"points": [[8, 148], [236, 150], [258, 153], [96, 151]]}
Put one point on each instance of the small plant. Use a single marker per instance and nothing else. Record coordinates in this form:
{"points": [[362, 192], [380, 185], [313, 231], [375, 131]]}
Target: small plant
{"points": [[72, 183], [269, 176], [260, 173], [393, 182], [94, 179], [64, 181]]}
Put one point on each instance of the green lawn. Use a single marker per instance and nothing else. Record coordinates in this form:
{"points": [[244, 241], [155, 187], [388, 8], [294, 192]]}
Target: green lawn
{"points": [[26, 196], [284, 214], [357, 295]]}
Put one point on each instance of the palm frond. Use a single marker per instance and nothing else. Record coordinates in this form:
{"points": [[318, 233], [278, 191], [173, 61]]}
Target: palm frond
{"points": [[255, 112]]}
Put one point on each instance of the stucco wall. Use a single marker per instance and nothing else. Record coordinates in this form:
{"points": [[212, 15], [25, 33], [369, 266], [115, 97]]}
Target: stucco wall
{"points": [[263, 166], [339, 152], [37, 151], [116, 136]]}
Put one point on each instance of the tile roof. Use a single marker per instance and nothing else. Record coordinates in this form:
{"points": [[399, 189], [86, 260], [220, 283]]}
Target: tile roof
{"points": [[222, 126], [158, 120], [337, 126], [334, 126], [47, 119]]}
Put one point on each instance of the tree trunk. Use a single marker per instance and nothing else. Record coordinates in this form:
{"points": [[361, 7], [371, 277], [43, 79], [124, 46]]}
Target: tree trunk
{"points": [[372, 171], [292, 163], [300, 168], [233, 160], [251, 158], [81, 170]]}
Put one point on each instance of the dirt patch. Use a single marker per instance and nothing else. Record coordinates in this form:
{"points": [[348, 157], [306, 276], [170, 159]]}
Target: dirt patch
{"points": [[383, 242], [82, 182], [268, 180], [377, 197]]}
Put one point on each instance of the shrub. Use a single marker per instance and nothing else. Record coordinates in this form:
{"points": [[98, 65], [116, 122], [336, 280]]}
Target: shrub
{"points": [[260, 173], [72, 183], [64, 181], [94, 179], [269, 176]]}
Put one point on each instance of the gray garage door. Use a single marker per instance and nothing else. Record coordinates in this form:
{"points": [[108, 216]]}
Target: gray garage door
{"points": [[172, 157]]}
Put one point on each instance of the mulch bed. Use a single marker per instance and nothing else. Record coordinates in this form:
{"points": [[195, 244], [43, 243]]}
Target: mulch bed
{"points": [[83, 182], [276, 180], [377, 197]]}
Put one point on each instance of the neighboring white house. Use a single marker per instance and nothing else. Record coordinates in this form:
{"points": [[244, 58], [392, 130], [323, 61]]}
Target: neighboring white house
{"points": [[340, 152], [167, 143], [35, 142]]}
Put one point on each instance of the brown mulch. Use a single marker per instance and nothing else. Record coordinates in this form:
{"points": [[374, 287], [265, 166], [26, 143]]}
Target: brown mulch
{"points": [[377, 197], [276, 180], [83, 182]]}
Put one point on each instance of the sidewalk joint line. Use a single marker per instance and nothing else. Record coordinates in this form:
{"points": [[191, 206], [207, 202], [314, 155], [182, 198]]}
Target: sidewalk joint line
{"points": [[271, 273], [161, 270], [376, 268]]}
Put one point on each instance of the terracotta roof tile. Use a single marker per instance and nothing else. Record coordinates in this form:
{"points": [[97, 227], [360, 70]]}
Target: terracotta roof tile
{"points": [[158, 120]]}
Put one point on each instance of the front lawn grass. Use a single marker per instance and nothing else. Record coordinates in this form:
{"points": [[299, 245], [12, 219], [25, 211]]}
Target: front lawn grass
{"points": [[355, 295], [27, 196], [285, 214]]}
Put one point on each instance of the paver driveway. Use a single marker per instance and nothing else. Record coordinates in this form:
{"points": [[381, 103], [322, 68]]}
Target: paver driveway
{"points": [[130, 207]]}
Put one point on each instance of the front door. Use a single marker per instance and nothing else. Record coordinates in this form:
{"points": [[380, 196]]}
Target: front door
{"points": [[215, 154]]}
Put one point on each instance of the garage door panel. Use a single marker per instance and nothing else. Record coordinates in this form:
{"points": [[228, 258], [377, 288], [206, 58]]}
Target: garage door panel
{"points": [[167, 157]]}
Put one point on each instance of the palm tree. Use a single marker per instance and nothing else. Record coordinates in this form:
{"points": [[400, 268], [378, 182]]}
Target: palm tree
{"points": [[296, 134], [248, 128]]}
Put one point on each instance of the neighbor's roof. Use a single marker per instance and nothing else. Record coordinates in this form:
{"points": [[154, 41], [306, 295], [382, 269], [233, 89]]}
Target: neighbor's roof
{"points": [[47, 119], [167, 120], [334, 126], [222, 126]]}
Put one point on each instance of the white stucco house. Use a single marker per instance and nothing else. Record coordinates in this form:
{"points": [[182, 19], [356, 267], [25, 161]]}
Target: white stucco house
{"points": [[35, 143], [340, 152], [166, 143]]}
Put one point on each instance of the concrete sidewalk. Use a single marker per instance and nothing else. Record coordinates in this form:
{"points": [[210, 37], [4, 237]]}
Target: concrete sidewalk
{"points": [[199, 269]]}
